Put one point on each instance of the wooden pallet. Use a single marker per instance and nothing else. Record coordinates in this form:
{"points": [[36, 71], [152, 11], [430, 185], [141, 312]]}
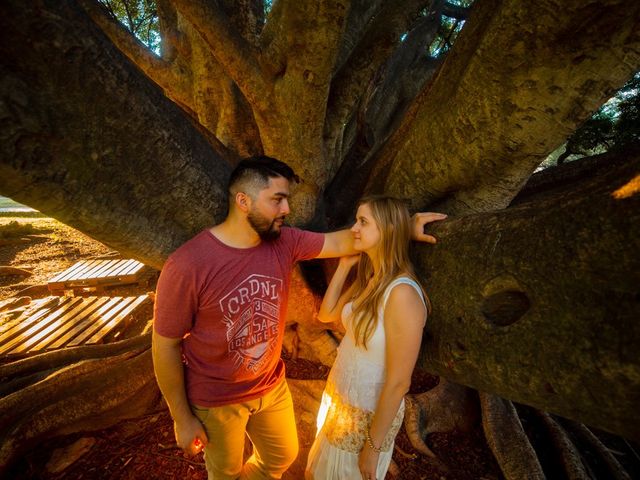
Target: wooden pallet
{"points": [[56, 322], [97, 274]]}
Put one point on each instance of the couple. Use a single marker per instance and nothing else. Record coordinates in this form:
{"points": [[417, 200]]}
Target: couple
{"points": [[219, 324]]}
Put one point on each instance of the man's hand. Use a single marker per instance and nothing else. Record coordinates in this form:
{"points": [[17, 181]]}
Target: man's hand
{"points": [[190, 435], [420, 219]]}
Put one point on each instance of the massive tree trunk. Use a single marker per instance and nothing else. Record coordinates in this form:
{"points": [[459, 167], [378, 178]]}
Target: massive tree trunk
{"points": [[89, 140], [135, 149], [538, 303]]}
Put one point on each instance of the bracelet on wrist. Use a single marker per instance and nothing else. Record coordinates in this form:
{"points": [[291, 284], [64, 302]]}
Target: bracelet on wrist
{"points": [[370, 442]]}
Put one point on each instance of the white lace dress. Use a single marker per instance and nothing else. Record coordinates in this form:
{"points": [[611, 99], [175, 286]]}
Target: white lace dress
{"points": [[349, 401]]}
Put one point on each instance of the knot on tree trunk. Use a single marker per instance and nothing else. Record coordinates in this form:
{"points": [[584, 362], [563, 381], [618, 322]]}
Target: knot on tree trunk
{"points": [[505, 301]]}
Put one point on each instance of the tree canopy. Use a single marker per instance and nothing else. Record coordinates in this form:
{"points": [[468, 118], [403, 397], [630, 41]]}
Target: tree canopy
{"points": [[614, 126]]}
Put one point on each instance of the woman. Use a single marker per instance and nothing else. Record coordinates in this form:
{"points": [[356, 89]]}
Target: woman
{"points": [[384, 312]]}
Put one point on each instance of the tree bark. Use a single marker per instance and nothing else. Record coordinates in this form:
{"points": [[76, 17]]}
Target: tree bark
{"points": [[87, 139], [538, 303], [382, 110], [88, 395], [507, 440], [506, 97], [350, 82]]}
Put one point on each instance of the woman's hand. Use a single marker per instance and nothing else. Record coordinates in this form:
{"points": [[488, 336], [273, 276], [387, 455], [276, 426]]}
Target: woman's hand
{"points": [[420, 220], [368, 462], [349, 261]]}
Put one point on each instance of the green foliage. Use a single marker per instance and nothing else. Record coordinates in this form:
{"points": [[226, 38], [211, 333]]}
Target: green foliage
{"points": [[447, 35], [627, 126], [6, 202], [140, 17], [449, 30], [615, 125], [16, 229]]}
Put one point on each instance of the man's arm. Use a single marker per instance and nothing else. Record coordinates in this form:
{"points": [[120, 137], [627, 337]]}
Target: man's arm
{"points": [[337, 244], [340, 243], [167, 364]]}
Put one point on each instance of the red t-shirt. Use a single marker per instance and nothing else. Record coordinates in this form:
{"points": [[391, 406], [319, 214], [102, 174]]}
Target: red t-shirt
{"points": [[229, 306]]}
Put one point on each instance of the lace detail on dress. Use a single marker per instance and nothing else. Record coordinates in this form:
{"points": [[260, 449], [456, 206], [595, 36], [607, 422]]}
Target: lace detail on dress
{"points": [[345, 425]]}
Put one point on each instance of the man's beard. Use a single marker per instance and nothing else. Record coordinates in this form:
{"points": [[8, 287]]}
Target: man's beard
{"points": [[265, 229]]}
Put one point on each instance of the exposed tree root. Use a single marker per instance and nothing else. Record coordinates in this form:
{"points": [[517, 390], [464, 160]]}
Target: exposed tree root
{"points": [[35, 290], [7, 270], [615, 471], [53, 398], [14, 302], [14, 241], [23, 305], [310, 343], [444, 408], [400, 451], [507, 440], [66, 356], [569, 455]]}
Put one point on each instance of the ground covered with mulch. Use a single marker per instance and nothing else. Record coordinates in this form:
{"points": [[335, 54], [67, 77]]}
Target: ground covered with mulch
{"points": [[145, 447]]}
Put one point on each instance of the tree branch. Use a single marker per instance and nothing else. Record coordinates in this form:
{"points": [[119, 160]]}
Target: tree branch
{"points": [[232, 51], [504, 99], [455, 11], [405, 75], [172, 42], [247, 16], [350, 83], [306, 42], [271, 42], [158, 69], [360, 14], [309, 38], [379, 114], [167, 72]]}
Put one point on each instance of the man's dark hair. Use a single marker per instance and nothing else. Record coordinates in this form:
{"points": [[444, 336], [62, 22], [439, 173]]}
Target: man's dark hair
{"points": [[252, 174]]}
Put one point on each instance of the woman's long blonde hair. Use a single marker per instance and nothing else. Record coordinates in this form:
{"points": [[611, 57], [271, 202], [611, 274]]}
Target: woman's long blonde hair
{"points": [[394, 223]]}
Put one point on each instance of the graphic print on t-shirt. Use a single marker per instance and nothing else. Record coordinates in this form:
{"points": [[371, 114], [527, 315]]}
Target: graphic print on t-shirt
{"points": [[250, 313]]}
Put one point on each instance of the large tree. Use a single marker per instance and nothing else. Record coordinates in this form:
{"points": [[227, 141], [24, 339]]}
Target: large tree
{"points": [[536, 302]]}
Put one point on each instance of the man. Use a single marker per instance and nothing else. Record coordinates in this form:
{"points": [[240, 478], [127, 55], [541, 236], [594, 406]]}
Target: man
{"points": [[219, 325]]}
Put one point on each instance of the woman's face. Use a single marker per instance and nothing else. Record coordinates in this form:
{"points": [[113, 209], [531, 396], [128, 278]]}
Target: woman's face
{"points": [[366, 234]]}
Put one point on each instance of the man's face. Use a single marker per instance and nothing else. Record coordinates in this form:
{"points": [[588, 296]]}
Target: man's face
{"points": [[269, 209]]}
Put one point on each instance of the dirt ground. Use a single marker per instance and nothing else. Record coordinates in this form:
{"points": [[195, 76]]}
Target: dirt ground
{"points": [[51, 248], [144, 447]]}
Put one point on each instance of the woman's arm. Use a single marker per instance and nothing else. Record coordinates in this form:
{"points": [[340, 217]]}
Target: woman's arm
{"points": [[333, 301], [404, 319]]}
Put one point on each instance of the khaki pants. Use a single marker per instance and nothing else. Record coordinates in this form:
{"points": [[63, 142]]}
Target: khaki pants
{"points": [[271, 427]]}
